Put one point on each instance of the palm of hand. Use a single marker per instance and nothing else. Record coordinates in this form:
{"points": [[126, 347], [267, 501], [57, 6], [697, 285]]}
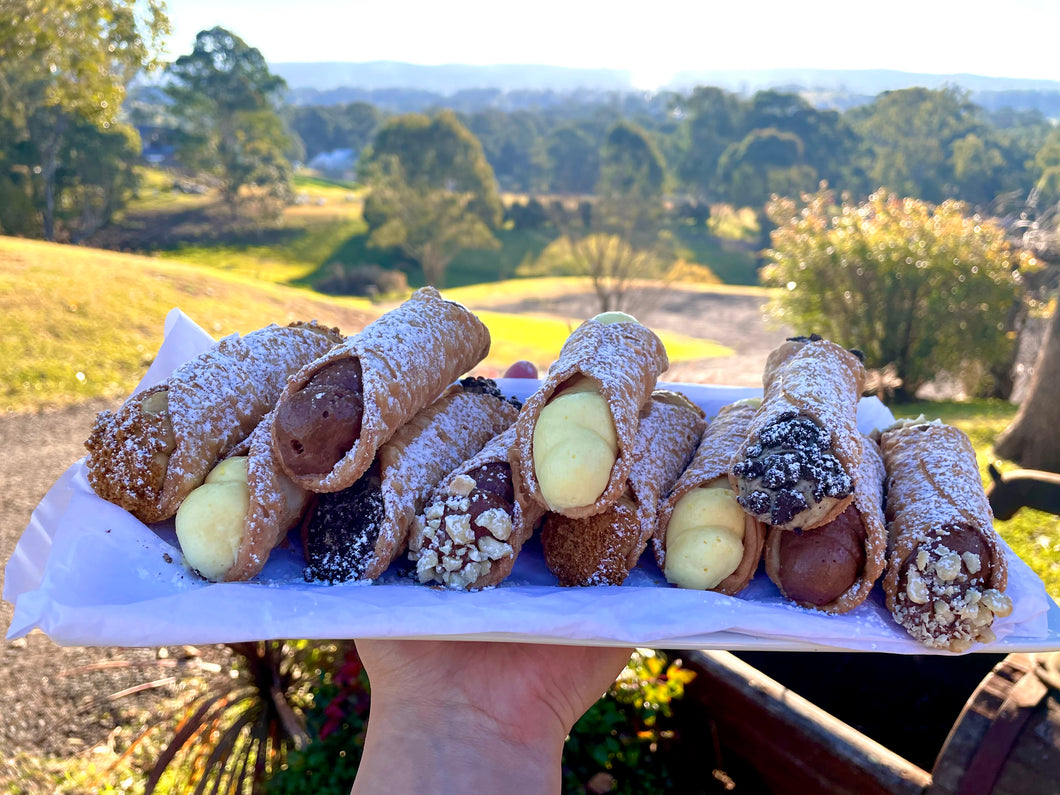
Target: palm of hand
{"points": [[517, 687]]}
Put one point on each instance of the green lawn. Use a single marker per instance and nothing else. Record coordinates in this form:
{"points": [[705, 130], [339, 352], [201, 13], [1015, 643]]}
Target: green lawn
{"points": [[72, 330]]}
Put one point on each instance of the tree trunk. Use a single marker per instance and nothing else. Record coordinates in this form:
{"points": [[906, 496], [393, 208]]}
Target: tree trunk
{"points": [[1033, 438], [1003, 373]]}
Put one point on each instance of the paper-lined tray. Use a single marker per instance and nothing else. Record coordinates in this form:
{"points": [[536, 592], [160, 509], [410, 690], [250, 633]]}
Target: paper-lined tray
{"points": [[87, 573]]}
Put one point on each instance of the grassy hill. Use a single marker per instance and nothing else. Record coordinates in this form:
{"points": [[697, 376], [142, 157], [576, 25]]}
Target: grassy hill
{"points": [[79, 323]]}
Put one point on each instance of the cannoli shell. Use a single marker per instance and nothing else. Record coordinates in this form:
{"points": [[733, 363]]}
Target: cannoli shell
{"points": [[604, 548], [148, 461], [820, 380], [407, 357], [868, 501], [276, 505], [712, 460], [933, 482], [624, 360], [423, 452], [526, 513]]}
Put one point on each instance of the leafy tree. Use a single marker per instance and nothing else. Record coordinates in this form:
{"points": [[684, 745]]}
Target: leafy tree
{"points": [[920, 288], [65, 63], [573, 161], [714, 120], [936, 144], [325, 128], [97, 176], [765, 162], [434, 154], [227, 100], [512, 144], [429, 224], [631, 165], [1047, 165], [618, 239]]}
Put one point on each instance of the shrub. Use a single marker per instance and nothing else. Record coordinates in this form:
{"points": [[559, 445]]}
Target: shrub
{"points": [[364, 280], [925, 289], [621, 743], [336, 725]]}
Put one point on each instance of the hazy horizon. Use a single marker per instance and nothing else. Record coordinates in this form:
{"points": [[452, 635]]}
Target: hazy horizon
{"points": [[988, 39]]}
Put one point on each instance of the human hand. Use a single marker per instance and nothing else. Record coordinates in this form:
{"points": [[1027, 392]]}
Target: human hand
{"points": [[488, 715]]}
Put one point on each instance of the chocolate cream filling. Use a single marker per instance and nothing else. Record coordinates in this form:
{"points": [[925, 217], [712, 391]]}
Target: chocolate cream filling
{"points": [[818, 566], [316, 426]]}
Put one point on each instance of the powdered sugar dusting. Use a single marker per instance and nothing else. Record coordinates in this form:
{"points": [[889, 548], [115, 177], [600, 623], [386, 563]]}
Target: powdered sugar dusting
{"points": [[604, 548], [431, 446], [213, 402], [624, 360], [944, 596], [408, 356]]}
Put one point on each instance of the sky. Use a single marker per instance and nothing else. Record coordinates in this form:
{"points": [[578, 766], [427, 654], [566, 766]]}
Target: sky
{"points": [[653, 39]]}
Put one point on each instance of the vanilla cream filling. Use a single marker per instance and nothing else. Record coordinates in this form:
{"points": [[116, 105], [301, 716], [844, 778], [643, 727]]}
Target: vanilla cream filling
{"points": [[704, 537], [211, 520]]}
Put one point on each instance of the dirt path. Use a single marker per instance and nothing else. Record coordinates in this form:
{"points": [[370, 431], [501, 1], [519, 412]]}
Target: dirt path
{"points": [[734, 320], [49, 714]]}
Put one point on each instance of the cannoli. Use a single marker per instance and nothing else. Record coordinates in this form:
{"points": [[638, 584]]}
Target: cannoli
{"points": [[575, 437], [834, 566], [336, 412], [228, 526], [475, 523], [150, 454], [795, 470], [704, 539], [603, 549], [355, 534], [946, 567]]}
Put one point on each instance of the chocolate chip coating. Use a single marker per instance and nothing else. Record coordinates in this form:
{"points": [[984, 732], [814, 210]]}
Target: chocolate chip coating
{"points": [[789, 465], [318, 425], [818, 566], [340, 533]]}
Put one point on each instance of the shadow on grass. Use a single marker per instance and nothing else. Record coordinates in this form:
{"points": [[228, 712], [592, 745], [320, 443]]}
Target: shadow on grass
{"points": [[205, 225], [470, 267]]}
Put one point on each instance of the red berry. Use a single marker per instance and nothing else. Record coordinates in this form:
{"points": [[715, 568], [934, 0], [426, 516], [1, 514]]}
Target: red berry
{"points": [[521, 369]]}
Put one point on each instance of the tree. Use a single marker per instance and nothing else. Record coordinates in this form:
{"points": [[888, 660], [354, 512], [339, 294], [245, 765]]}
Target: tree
{"points": [[764, 163], [430, 225], [714, 119], [631, 165], [936, 144], [227, 100], [618, 239], [435, 153], [922, 289], [573, 161], [63, 64], [1033, 438]]}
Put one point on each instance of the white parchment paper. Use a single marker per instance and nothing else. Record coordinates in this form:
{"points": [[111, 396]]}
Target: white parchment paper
{"points": [[87, 573]]}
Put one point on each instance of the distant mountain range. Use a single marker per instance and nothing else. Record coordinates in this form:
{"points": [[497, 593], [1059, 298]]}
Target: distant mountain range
{"points": [[855, 81], [406, 85], [448, 78]]}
